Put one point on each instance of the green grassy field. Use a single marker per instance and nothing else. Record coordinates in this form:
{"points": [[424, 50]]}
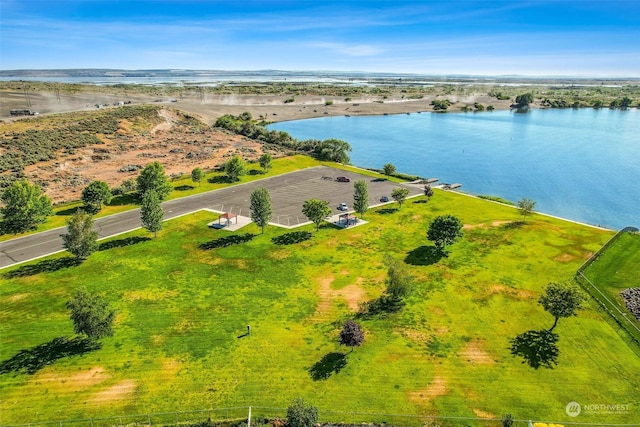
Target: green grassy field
{"points": [[616, 269], [182, 311]]}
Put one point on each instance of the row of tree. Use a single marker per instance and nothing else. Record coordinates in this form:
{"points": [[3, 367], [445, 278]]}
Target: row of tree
{"points": [[330, 149]]}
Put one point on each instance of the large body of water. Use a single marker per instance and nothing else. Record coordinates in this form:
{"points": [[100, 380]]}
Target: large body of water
{"points": [[581, 164]]}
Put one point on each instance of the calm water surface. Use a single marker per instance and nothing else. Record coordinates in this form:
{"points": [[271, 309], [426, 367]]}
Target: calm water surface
{"points": [[581, 164]]}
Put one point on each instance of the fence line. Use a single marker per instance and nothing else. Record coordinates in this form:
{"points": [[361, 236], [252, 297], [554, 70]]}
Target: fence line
{"points": [[239, 414], [612, 310]]}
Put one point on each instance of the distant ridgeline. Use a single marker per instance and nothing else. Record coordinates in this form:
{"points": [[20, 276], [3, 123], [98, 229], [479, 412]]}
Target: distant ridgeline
{"points": [[330, 149]]}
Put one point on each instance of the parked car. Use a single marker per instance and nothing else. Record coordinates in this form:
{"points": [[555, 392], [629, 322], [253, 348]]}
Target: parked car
{"points": [[384, 199], [343, 207], [343, 179]]}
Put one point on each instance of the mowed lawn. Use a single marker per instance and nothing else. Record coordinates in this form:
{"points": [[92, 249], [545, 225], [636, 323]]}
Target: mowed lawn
{"points": [[182, 311], [617, 268]]}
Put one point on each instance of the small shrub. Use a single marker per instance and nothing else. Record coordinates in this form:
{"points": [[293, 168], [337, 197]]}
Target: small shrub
{"points": [[301, 414]]}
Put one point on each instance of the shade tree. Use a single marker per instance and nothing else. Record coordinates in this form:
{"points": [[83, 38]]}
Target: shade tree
{"points": [[266, 162], [235, 168], [360, 197], [197, 175], [525, 207], [151, 213], [399, 194], [96, 194], [260, 207], [561, 300], [91, 315], [352, 334], [153, 177], [316, 211], [25, 206], [444, 230], [81, 240], [389, 169]]}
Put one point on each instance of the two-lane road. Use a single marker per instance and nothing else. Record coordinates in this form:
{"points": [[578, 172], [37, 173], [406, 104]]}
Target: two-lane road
{"points": [[288, 193]]}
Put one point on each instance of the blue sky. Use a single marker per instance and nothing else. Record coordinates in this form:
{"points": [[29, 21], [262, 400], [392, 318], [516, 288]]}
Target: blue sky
{"points": [[579, 38]]}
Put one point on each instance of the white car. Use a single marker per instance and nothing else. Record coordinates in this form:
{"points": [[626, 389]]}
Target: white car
{"points": [[343, 207]]}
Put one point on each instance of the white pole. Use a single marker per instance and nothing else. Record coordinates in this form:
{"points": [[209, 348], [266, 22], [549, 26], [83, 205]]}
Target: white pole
{"points": [[249, 418]]}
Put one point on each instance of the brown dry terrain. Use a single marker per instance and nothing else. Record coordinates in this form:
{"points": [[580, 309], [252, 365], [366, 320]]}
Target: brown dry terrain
{"points": [[177, 147], [173, 144], [271, 107]]}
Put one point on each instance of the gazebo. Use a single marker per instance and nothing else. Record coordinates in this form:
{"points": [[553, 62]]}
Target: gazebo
{"points": [[227, 216], [347, 218]]}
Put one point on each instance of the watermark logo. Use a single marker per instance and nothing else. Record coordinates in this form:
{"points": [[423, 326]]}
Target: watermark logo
{"points": [[573, 409]]}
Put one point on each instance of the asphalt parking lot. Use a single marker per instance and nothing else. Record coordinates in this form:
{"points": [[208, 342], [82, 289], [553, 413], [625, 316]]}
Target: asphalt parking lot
{"points": [[288, 193]]}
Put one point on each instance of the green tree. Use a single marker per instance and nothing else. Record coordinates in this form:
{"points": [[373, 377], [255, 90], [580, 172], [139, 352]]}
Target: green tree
{"points": [[80, 240], [260, 206], [301, 414], [316, 211], [91, 315], [399, 282], [351, 334], [152, 177], [525, 207], [399, 194], [197, 175], [151, 213], [428, 191], [561, 300], [265, 162], [235, 168], [444, 230], [524, 99], [360, 197], [389, 169], [95, 195], [24, 207]]}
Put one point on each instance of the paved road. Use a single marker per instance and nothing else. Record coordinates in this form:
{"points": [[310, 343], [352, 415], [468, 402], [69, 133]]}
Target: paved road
{"points": [[288, 193]]}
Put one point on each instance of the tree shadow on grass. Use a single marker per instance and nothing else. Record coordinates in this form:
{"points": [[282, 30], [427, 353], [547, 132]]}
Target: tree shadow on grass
{"points": [[36, 358], [537, 348], [380, 307], [227, 241], [424, 255], [329, 225], [220, 179], [330, 364], [68, 212], [291, 238], [120, 243], [387, 211], [45, 266], [124, 199], [184, 187], [420, 202], [512, 225]]}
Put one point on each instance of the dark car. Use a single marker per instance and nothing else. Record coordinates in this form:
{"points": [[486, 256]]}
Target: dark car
{"points": [[343, 179], [384, 199]]}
